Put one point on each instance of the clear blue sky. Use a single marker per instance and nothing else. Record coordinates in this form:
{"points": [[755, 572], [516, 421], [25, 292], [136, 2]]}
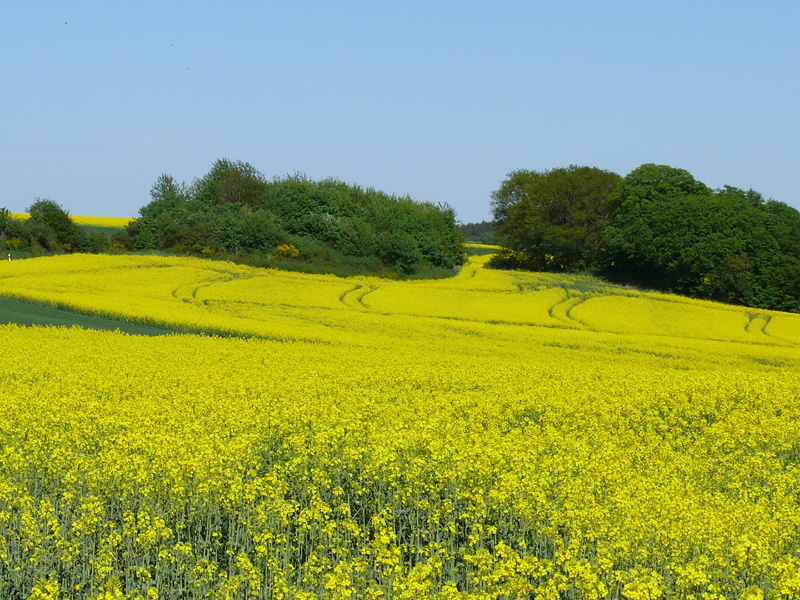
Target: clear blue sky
{"points": [[438, 100]]}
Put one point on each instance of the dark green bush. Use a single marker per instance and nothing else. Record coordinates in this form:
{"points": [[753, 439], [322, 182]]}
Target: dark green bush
{"points": [[233, 211]]}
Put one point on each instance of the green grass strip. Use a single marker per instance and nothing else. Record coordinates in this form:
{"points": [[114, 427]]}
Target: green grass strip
{"points": [[30, 313], [109, 232]]}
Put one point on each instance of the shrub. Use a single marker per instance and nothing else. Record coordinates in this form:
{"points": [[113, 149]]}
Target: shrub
{"points": [[50, 213], [287, 251]]}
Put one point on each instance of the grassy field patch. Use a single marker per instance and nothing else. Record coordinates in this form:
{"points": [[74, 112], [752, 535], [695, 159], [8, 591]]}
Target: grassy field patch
{"points": [[29, 313]]}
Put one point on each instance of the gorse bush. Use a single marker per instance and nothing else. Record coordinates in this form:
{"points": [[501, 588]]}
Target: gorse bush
{"points": [[236, 211], [287, 251]]}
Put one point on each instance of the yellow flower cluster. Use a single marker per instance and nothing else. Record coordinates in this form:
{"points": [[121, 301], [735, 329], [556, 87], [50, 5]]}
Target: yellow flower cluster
{"points": [[363, 438]]}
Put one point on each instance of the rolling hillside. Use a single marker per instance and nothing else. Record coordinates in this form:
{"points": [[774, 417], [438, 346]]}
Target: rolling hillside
{"points": [[198, 295], [498, 434]]}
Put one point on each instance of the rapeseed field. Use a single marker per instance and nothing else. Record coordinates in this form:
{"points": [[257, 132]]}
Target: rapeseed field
{"points": [[495, 435], [115, 222]]}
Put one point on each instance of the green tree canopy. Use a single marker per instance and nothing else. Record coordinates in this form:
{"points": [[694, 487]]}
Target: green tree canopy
{"points": [[231, 182], [49, 213], [234, 210], [659, 227], [670, 231], [554, 220]]}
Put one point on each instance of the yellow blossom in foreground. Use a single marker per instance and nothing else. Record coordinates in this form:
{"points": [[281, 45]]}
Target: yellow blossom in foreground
{"points": [[496, 435]]}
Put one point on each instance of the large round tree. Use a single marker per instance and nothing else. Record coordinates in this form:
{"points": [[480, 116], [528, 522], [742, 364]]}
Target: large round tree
{"points": [[553, 220], [50, 213]]}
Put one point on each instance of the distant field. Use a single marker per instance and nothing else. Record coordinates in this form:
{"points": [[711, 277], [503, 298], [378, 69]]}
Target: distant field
{"points": [[498, 434], [195, 294], [105, 222], [480, 249]]}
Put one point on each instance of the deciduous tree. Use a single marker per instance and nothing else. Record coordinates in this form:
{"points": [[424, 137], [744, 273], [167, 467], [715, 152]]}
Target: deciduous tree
{"points": [[554, 220]]}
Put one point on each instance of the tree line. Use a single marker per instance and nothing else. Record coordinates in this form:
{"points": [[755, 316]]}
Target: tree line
{"points": [[48, 229], [658, 227], [478, 233], [233, 211]]}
